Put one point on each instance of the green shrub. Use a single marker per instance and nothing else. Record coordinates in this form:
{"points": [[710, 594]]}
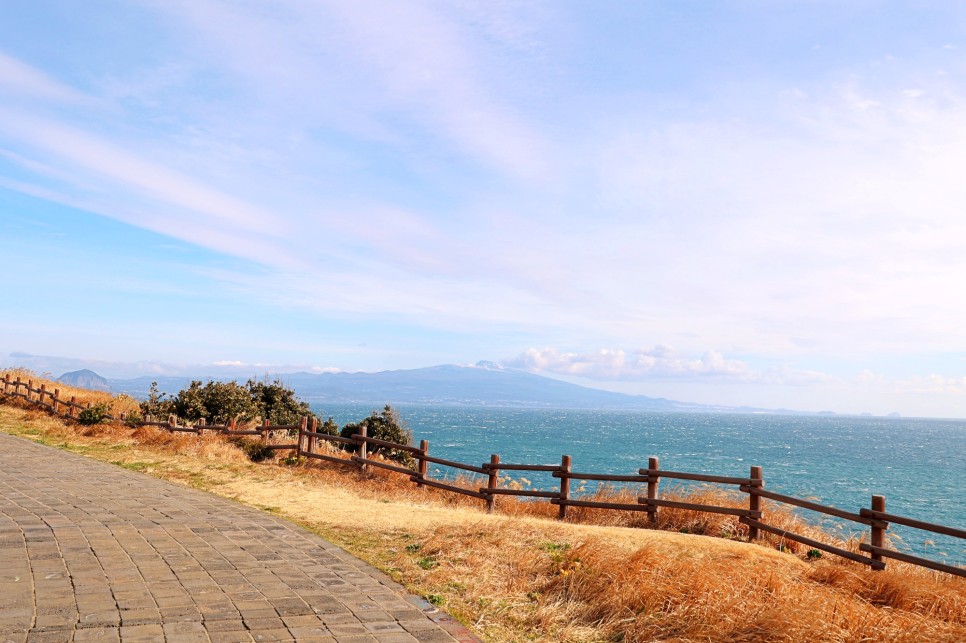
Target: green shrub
{"points": [[158, 404], [254, 449], [384, 426], [222, 402], [93, 415], [276, 403], [329, 427], [133, 420]]}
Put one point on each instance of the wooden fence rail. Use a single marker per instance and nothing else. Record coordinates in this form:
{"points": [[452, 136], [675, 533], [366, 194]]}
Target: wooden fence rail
{"points": [[754, 517]]}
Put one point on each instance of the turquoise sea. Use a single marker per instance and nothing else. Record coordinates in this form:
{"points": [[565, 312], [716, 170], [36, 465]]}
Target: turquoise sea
{"points": [[919, 465]]}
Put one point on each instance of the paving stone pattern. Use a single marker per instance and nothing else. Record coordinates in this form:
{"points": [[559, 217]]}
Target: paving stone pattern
{"points": [[93, 552]]}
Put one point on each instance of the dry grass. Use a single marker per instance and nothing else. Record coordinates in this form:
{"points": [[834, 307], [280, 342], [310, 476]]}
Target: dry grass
{"points": [[590, 588], [116, 404], [517, 576]]}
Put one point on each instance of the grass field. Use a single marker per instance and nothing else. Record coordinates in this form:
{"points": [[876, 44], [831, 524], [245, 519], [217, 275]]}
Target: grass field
{"points": [[519, 575]]}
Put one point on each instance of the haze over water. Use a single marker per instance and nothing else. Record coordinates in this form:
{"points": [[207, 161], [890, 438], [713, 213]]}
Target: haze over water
{"points": [[919, 465]]}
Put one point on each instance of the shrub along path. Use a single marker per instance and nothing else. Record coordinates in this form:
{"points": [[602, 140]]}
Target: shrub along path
{"points": [[90, 551]]}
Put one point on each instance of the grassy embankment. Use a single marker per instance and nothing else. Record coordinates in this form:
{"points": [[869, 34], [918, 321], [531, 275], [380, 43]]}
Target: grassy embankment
{"points": [[519, 575]]}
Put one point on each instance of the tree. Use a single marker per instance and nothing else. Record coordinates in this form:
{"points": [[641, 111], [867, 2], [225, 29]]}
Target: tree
{"points": [[276, 403], [218, 402], [158, 404], [329, 427], [222, 402], [384, 426]]}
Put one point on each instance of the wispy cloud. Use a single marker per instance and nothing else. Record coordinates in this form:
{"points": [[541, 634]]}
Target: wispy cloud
{"points": [[658, 363], [934, 384], [420, 64], [19, 78]]}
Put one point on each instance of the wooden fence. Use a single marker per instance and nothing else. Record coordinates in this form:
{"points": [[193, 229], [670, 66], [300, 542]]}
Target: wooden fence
{"points": [[308, 437]]}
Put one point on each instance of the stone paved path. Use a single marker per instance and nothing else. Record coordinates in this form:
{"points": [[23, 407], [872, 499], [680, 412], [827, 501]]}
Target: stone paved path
{"points": [[93, 552]]}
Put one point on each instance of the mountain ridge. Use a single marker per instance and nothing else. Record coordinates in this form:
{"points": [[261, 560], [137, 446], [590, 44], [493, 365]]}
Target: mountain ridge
{"points": [[482, 384], [86, 379]]}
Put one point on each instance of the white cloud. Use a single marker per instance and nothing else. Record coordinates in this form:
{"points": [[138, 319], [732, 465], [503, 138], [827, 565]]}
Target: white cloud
{"points": [[399, 74], [818, 220], [17, 77], [869, 377], [107, 160], [933, 384], [658, 363], [325, 369]]}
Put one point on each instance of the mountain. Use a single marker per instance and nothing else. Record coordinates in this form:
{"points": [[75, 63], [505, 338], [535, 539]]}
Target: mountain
{"points": [[482, 385], [85, 379]]}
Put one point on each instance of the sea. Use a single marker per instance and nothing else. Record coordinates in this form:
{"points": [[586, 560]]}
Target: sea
{"points": [[919, 465]]}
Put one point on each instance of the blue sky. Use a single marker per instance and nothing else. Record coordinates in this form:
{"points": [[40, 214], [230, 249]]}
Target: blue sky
{"points": [[755, 203]]}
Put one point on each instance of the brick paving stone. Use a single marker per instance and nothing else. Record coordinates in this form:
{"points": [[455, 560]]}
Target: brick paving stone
{"points": [[347, 629], [272, 635], [242, 636], [382, 627], [93, 552], [105, 635], [396, 637], [226, 625], [303, 633]]}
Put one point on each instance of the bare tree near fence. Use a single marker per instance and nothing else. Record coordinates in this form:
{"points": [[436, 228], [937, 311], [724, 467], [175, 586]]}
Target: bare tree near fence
{"points": [[308, 439]]}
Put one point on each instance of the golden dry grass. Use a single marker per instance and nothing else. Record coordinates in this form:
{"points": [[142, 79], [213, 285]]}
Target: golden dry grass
{"points": [[116, 404], [518, 575]]}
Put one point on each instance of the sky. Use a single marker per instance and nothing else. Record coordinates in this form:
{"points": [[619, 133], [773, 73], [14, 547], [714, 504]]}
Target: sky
{"points": [[741, 202]]}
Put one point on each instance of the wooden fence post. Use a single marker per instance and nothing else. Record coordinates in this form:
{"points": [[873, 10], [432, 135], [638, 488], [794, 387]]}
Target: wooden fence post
{"points": [[30, 385], [653, 482], [70, 410], [363, 447], [313, 428], [877, 537], [265, 431], [172, 422], [564, 486], [423, 465], [54, 400], [303, 427], [754, 500], [43, 394], [491, 483]]}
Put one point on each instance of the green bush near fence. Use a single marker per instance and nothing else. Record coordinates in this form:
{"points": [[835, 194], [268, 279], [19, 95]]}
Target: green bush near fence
{"points": [[222, 402], [384, 426], [94, 414]]}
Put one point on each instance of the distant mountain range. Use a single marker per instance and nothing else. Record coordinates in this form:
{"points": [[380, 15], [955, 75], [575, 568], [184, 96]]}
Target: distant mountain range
{"points": [[484, 384]]}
